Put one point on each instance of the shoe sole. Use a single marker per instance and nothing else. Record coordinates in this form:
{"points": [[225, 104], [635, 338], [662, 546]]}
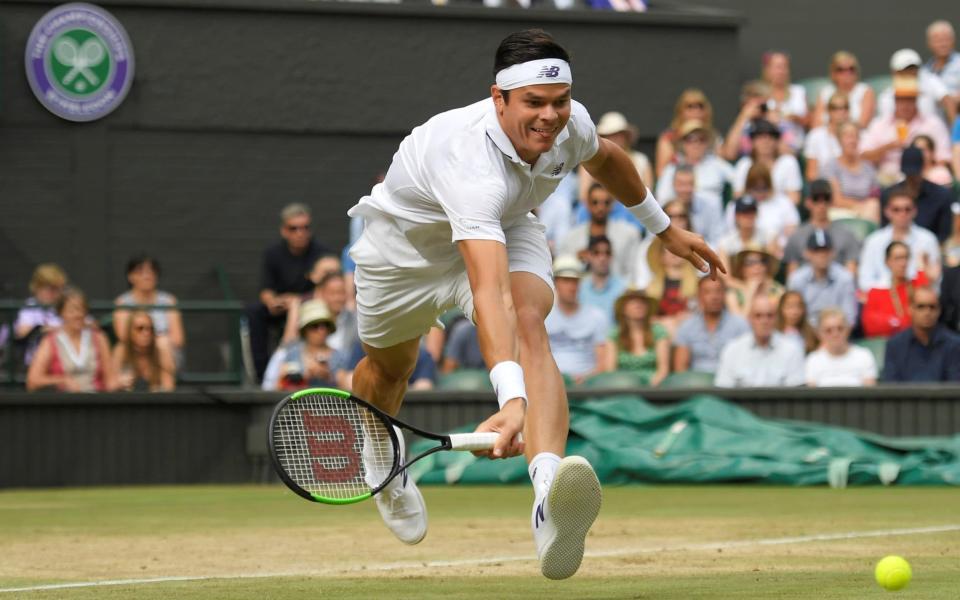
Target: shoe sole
{"points": [[574, 500]]}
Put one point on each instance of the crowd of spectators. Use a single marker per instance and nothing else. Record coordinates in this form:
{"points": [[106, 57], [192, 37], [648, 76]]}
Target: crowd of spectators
{"points": [[837, 215]]}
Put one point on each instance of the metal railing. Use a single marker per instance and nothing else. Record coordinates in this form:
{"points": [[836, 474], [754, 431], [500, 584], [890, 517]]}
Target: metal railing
{"points": [[13, 374]]}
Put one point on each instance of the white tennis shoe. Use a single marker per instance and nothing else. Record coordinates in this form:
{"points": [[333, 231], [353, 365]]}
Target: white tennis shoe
{"points": [[563, 515], [400, 503]]}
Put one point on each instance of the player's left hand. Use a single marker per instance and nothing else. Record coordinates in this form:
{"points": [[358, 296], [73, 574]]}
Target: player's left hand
{"points": [[693, 248], [508, 421]]}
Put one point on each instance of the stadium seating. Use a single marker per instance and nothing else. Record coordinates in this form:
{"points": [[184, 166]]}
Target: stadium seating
{"points": [[879, 82], [860, 228], [465, 380], [876, 345], [688, 379]]}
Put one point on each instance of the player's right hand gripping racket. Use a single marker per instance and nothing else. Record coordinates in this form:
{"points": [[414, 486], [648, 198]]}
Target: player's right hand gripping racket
{"points": [[330, 446]]}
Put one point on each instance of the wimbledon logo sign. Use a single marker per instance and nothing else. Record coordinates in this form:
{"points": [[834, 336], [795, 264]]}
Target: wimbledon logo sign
{"points": [[79, 62]]}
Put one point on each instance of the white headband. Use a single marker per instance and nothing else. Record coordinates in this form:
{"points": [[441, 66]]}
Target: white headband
{"points": [[535, 72]]}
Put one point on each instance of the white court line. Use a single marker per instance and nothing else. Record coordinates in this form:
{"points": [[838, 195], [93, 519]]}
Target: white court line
{"points": [[726, 545]]}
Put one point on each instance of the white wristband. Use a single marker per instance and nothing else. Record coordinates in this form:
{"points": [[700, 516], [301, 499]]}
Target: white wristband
{"points": [[651, 214], [507, 380]]}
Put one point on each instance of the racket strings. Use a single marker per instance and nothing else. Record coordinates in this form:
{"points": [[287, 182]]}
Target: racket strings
{"points": [[333, 447]]}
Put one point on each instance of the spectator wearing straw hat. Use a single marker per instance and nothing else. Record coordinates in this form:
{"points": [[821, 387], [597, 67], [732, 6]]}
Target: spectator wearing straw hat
{"points": [[822, 282], [711, 173], [577, 332], [751, 275], [636, 343], [888, 134], [305, 362]]}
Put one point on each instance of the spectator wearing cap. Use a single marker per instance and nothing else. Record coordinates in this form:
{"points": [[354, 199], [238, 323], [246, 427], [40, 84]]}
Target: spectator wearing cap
{"points": [[845, 79], [784, 168], [601, 288], [900, 211], [845, 246], [691, 105], [614, 126], [762, 357], [702, 336], [788, 101], [577, 332], [885, 308], [836, 363], [853, 180], [745, 233], [945, 60], [933, 171], [623, 237], [928, 351], [821, 281], [776, 213], [822, 144], [950, 298], [306, 361], [886, 137], [711, 173], [932, 201], [933, 96], [637, 343]]}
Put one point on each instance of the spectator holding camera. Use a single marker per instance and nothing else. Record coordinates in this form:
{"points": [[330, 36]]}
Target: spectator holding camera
{"points": [[143, 360], [305, 362], [74, 357]]}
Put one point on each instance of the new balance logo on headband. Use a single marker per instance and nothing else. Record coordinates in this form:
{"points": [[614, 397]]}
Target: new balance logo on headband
{"points": [[548, 71]]}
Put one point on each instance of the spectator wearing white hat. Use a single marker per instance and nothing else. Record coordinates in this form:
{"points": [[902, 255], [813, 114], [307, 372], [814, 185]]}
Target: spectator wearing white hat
{"points": [[886, 137], [615, 127], [933, 94], [577, 332]]}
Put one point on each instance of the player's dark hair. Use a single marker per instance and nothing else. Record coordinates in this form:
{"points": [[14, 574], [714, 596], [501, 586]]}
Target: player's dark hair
{"points": [[524, 46]]}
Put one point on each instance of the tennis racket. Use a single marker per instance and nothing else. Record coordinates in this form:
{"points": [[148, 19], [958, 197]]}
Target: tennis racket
{"points": [[332, 447]]}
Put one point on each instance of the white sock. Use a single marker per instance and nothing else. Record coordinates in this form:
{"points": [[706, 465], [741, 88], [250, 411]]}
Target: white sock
{"points": [[542, 469]]}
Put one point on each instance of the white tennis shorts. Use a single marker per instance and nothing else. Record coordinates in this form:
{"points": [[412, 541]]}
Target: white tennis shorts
{"points": [[400, 299]]}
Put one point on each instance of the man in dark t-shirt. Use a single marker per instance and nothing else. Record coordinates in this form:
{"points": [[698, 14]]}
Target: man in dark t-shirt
{"points": [[283, 278]]}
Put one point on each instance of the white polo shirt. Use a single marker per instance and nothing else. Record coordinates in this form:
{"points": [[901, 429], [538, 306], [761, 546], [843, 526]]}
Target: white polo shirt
{"points": [[458, 177]]}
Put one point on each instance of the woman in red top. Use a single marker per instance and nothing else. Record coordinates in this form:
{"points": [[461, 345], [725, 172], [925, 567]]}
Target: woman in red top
{"points": [[886, 309], [75, 357]]}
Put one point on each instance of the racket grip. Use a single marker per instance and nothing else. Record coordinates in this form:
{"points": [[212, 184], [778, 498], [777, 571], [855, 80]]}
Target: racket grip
{"points": [[473, 441]]}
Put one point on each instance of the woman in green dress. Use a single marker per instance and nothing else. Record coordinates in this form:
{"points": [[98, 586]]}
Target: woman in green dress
{"points": [[636, 343]]}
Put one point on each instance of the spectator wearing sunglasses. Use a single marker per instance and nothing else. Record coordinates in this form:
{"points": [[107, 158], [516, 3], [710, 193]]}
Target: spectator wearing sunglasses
{"points": [[823, 144], [900, 211], [932, 201], [143, 277], [845, 246], [623, 236], [305, 362], [711, 173], [283, 278], [692, 105], [836, 363], [143, 360], [928, 351], [822, 282], [845, 79]]}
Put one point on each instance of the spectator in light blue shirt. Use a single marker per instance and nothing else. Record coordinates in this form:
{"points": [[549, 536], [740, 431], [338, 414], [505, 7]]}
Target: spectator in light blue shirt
{"points": [[702, 336], [577, 332], [600, 288], [822, 282]]}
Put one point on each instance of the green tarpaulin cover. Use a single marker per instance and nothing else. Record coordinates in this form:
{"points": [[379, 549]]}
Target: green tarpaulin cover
{"points": [[706, 439]]}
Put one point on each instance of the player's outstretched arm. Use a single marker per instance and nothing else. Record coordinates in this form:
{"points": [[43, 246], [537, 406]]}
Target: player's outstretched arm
{"points": [[612, 167], [493, 312]]}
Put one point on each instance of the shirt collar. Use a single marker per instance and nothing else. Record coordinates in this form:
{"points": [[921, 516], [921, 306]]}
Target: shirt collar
{"points": [[499, 137]]}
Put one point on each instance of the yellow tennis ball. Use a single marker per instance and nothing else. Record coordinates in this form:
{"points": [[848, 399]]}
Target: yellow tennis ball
{"points": [[893, 573]]}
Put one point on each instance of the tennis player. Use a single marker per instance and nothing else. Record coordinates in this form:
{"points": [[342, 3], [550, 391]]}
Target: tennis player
{"points": [[451, 225]]}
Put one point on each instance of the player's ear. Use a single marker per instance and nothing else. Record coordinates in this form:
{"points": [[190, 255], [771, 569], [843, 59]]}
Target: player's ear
{"points": [[497, 97]]}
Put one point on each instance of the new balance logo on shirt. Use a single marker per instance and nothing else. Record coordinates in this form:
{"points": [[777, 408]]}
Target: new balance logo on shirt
{"points": [[548, 71], [556, 170]]}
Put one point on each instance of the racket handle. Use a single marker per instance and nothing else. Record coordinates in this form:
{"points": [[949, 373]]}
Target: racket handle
{"points": [[473, 441]]}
